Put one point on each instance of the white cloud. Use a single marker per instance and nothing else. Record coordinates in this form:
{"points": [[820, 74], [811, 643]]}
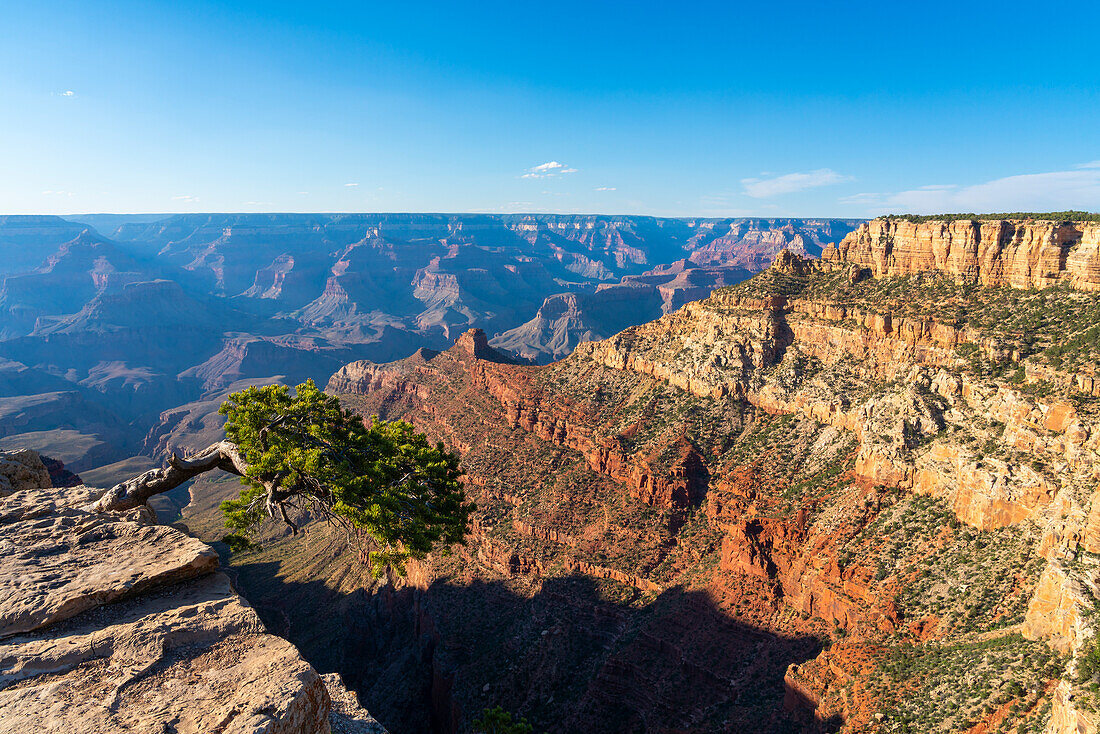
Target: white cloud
{"points": [[788, 183], [50, 192], [726, 204], [604, 188], [548, 170], [1029, 192], [1090, 164], [68, 93], [351, 184], [185, 197], [303, 193], [546, 167]]}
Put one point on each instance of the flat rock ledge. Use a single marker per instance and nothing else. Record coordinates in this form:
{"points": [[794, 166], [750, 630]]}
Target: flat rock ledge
{"points": [[113, 623]]}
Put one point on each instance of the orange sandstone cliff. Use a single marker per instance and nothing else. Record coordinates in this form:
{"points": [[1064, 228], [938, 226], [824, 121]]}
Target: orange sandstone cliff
{"points": [[855, 494], [1016, 253]]}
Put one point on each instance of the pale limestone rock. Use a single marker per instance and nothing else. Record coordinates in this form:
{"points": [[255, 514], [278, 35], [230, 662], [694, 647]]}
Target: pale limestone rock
{"points": [[1054, 613], [1017, 253], [347, 716], [110, 623], [193, 656], [22, 469], [57, 565], [1066, 718]]}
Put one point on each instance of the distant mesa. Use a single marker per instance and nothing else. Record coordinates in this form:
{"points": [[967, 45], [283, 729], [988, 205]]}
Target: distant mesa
{"points": [[141, 316]]}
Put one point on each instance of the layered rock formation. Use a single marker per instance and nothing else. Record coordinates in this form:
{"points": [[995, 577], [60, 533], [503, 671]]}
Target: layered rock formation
{"points": [[111, 623], [20, 470], [904, 465], [855, 493], [566, 319], [147, 317], [994, 253]]}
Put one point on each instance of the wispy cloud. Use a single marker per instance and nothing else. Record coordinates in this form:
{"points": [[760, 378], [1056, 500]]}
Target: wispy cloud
{"points": [[1052, 191], [303, 193], [788, 183], [185, 197], [1090, 164], [550, 169], [604, 188], [66, 93], [730, 204], [51, 192], [351, 184], [512, 207]]}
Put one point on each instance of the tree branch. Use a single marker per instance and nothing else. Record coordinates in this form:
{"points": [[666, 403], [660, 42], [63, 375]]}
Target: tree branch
{"points": [[135, 492], [264, 431]]}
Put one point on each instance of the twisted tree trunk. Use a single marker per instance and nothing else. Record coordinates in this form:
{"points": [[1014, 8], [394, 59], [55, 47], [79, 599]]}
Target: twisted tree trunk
{"points": [[135, 492]]}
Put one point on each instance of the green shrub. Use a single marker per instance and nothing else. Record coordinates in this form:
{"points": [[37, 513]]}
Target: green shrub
{"points": [[498, 721]]}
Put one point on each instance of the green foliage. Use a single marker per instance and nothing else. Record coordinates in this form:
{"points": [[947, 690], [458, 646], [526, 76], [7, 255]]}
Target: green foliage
{"points": [[1088, 663], [240, 543], [1007, 328], [1064, 351], [498, 721], [382, 481], [950, 686]]}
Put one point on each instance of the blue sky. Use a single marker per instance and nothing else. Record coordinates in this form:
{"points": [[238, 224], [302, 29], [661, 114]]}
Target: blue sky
{"points": [[674, 109]]}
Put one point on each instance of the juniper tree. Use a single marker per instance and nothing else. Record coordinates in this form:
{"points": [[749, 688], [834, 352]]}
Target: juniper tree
{"points": [[303, 455]]}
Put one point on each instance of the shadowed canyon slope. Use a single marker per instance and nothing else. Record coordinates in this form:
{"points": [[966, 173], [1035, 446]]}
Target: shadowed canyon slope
{"points": [[146, 317], [885, 485], [855, 493]]}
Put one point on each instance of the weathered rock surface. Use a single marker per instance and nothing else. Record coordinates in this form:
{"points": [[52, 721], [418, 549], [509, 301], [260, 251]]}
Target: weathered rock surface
{"points": [[347, 715], [110, 622], [566, 319], [22, 470], [1016, 253], [148, 316], [906, 473], [57, 565]]}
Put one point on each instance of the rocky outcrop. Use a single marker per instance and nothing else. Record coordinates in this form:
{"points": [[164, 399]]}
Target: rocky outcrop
{"points": [[21, 470], [347, 715], [566, 319], [1057, 608], [758, 350], [1016, 253], [59, 475], [110, 622], [871, 459], [1066, 717]]}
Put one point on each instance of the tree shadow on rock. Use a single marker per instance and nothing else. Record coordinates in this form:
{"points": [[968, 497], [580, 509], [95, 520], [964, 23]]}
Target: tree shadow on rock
{"points": [[575, 656]]}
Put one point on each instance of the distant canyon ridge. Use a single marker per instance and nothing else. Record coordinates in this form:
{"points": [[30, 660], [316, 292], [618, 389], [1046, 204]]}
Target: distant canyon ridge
{"points": [[120, 336]]}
